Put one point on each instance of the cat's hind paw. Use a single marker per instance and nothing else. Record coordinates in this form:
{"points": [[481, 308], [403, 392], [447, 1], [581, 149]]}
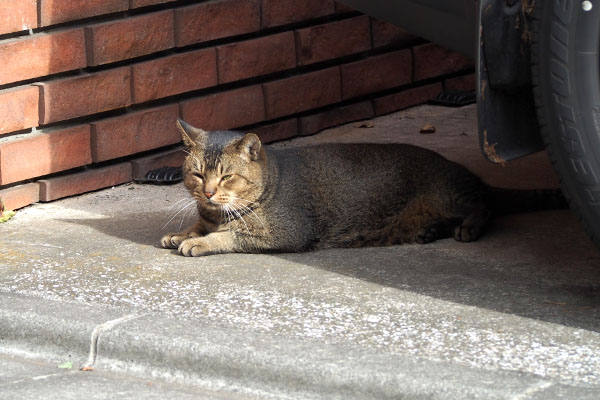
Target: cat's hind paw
{"points": [[433, 231], [473, 226], [467, 233]]}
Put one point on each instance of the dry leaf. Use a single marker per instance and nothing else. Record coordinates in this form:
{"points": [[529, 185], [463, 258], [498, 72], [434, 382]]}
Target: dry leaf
{"points": [[427, 128], [66, 365], [5, 214], [365, 124]]}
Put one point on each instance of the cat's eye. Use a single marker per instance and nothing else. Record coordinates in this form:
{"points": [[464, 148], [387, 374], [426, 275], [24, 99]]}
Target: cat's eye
{"points": [[226, 177], [199, 176]]}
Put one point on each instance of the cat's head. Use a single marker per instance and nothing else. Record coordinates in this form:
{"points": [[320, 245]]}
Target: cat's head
{"points": [[223, 168]]}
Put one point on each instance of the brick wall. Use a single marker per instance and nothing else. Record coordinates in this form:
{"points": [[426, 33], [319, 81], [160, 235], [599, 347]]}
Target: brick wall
{"points": [[90, 89]]}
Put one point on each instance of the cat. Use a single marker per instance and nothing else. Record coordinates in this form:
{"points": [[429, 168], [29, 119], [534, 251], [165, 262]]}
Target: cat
{"points": [[255, 199]]}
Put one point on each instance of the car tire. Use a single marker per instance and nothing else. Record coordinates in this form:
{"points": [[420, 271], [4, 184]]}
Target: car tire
{"points": [[565, 38]]}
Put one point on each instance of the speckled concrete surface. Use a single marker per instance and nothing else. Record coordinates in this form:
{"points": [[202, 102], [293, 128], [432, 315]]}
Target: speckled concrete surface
{"points": [[524, 300]]}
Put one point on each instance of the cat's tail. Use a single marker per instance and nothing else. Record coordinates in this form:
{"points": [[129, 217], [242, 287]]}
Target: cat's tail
{"points": [[511, 201]]}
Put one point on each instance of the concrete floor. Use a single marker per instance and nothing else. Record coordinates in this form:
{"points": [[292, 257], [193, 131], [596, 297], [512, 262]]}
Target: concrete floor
{"points": [[514, 315]]}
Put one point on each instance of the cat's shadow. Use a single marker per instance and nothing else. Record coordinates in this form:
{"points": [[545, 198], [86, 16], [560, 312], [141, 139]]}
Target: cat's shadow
{"points": [[539, 266], [506, 289], [553, 277], [141, 228]]}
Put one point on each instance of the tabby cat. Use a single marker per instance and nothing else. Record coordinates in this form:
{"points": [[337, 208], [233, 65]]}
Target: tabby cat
{"points": [[255, 199]]}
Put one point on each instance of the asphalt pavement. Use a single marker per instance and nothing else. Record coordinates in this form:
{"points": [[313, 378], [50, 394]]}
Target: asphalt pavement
{"points": [[92, 307]]}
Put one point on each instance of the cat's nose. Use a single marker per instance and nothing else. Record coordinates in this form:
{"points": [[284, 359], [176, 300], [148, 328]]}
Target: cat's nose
{"points": [[209, 194]]}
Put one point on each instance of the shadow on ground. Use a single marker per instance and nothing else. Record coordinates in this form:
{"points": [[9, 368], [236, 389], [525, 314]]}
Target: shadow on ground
{"points": [[141, 228], [538, 265]]}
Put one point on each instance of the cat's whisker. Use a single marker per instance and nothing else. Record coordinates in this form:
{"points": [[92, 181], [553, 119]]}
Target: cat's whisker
{"points": [[229, 216], [225, 212], [180, 206], [240, 217], [174, 205], [239, 199], [175, 216], [225, 216], [187, 215], [258, 219], [246, 208], [183, 208], [251, 211]]}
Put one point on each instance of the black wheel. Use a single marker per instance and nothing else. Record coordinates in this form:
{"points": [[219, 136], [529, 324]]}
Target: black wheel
{"points": [[566, 79]]}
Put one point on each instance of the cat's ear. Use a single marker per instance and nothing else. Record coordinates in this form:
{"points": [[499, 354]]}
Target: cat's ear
{"points": [[249, 147], [191, 136]]}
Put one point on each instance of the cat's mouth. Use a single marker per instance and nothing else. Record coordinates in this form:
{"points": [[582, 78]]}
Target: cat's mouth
{"points": [[213, 203], [222, 202], [205, 202], [216, 203]]}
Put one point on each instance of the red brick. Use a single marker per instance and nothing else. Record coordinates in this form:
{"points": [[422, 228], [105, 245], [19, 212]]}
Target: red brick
{"points": [[465, 82], [19, 108], [57, 11], [216, 19], [20, 196], [41, 54], [169, 158], [256, 57], [225, 110], [342, 8], [406, 98], [134, 133], [277, 131], [385, 34], [44, 154], [376, 73], [130, 37], [86, 181], [432, 60], [18, 15], [86, 94], [280, 12], [333, 40], [317, 122], [174, 74], [144, 3], [303, 92]]}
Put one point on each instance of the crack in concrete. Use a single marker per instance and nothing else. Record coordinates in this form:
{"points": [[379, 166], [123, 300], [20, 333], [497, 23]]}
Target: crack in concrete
{"points": [[532, 390], [35, 378], [96, 335]]}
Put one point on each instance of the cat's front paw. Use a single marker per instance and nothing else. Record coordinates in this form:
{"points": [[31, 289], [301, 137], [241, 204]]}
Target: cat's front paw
{"points": [[174, 240], [194, 247]]}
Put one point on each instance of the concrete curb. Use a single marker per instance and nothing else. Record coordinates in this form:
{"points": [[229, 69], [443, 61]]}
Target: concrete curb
{"points": [[57, 330], [231, 360]]}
